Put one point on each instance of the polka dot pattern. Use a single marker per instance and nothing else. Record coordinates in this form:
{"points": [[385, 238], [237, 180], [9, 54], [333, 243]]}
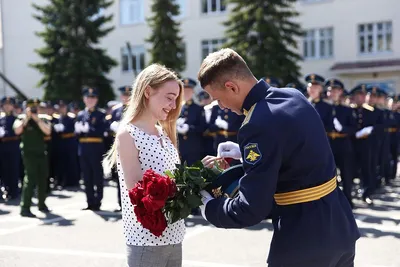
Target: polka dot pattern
{"points": [[159, 154]]}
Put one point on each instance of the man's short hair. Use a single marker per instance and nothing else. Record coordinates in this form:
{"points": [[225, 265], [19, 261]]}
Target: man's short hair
{"points": [[220, 66]]}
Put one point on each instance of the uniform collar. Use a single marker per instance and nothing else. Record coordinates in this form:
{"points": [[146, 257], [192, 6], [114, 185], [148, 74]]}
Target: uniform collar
{"points": [[258, 92], [91, 109], [314, 100]]}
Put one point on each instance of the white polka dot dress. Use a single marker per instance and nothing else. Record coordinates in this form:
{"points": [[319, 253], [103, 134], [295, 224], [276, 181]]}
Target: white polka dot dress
{"points": [[159, 154]]}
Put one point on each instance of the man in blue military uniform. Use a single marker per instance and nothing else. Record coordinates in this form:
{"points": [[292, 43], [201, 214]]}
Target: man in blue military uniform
{"points": [[362, 139], [10, 155], [315, 85], [90, 126], [190, 126], [286, 157], [341, 128], [394, 136], [116, 115], [378, 133], [208, 136], [64, 142]]}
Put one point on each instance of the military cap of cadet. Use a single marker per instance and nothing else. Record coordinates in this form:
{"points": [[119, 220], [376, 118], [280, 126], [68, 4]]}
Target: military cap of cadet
{"points": [[59, 103], [73, 105], [203, 95], [334, 83], [90, 91], [376, 90], [33, 102], [8, 100], [314, 79], [361, 88], [188, 82], [274, 82], [112, 103], [125, 90], [227, 182]]}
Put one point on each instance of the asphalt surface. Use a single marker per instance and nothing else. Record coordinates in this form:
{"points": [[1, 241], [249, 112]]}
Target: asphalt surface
{"points": [[69, 236]]}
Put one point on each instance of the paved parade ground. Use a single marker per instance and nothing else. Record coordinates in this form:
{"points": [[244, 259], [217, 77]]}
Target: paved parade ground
{"points": [[72, 237]]}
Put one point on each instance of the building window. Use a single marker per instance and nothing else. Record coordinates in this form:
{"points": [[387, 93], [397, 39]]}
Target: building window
{"points": [[213, 6], [131, 11], [375, 37], [210, 46], [133, 58], [318, 43]]}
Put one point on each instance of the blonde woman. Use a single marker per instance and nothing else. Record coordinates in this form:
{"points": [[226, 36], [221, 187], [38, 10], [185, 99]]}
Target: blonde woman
{"points": [[147, 139]]}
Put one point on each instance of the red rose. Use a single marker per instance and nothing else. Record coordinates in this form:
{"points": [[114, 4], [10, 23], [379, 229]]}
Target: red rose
{"points": [[158, 188], [151, 204], [136, 194], [148, 177], [172, 187], [154, 222]]}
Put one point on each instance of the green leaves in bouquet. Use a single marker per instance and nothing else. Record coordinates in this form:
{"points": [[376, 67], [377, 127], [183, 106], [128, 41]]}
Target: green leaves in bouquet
{"points": [[190, 180]]}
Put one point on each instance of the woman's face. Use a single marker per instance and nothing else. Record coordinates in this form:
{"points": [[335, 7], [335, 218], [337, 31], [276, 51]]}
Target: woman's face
{"points": [[163, 99]]}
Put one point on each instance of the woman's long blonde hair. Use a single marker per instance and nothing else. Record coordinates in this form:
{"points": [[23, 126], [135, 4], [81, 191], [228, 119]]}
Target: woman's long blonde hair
{"points": [[153, 76]]}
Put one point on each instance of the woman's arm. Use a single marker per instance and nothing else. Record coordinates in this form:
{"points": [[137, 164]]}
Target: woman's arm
{"points": [[129, 156]]}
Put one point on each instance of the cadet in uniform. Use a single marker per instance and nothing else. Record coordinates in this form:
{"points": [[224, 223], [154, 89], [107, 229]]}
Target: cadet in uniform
{"points": [[208, 136], [190, 126], [362, 139], [394, 136], [315, 85], [116, 116], [10, 154], [286, 158], [68, 172], [33, 127], [90, 125], [378, 133], [342, 127]]}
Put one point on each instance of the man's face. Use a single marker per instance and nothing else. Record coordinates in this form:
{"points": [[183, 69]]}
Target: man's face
{"points": [[334, 93], [314, 90], [125, 99], [359, 98], [227, 96]]}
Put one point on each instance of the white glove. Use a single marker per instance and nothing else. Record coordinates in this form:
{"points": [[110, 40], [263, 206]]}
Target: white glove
{"points": [[223, 124], [85, 127], [180, 121], [364, 131], [59, 127], [229, 150], [183, 129], [2, 131], [337, 124], [114, 126], [206, 197], [78, 126]]}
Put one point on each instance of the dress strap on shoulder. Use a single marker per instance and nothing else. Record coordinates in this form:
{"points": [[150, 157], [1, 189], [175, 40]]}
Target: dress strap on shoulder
{"points": [[136, 134]]}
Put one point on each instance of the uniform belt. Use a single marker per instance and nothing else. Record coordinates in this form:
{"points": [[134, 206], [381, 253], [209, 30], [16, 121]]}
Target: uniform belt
{"points": [[306, 195], [47, 138], [226, 133], [391, 130], [9, 139], [90, 140], [335, 135], [67, 135]]}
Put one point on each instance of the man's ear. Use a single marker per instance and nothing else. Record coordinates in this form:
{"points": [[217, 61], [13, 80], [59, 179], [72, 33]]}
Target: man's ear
{"points": [[229, 85]]}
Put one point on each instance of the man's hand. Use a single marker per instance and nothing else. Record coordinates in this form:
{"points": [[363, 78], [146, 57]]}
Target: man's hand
{"points": [[114, 126], [229, 150], [206, 197], [78, 126], [59, 127], [85, 127], [2, 132], [182, 129], [223, 124], [338, 126], [180, 121]]}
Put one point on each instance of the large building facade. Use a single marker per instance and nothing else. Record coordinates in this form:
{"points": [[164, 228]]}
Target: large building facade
{"points": [[357, 41]]}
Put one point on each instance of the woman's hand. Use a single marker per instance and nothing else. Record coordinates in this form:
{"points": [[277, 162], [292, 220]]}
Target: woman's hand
{"points": [[211, 161]]}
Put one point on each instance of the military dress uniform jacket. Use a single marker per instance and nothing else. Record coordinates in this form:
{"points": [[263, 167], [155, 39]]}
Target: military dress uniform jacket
{"points": [[324, 110], [285, 149]]}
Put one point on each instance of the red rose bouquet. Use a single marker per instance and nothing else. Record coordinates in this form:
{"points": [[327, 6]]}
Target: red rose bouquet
{"points": [[159, 199]]}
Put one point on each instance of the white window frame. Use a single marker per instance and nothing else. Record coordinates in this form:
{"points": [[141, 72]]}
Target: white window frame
{"points": [[314, 37], [211, 46], [137, 50], [209, 5], [131, 12], [387, 29]]}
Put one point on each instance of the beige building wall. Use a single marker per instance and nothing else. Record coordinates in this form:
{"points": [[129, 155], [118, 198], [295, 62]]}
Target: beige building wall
{"points": [[19, 40]]}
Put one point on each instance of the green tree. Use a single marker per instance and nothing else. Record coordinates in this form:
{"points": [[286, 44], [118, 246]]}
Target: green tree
{"points": [[71, 56], [264, 33], [167, 46]]}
